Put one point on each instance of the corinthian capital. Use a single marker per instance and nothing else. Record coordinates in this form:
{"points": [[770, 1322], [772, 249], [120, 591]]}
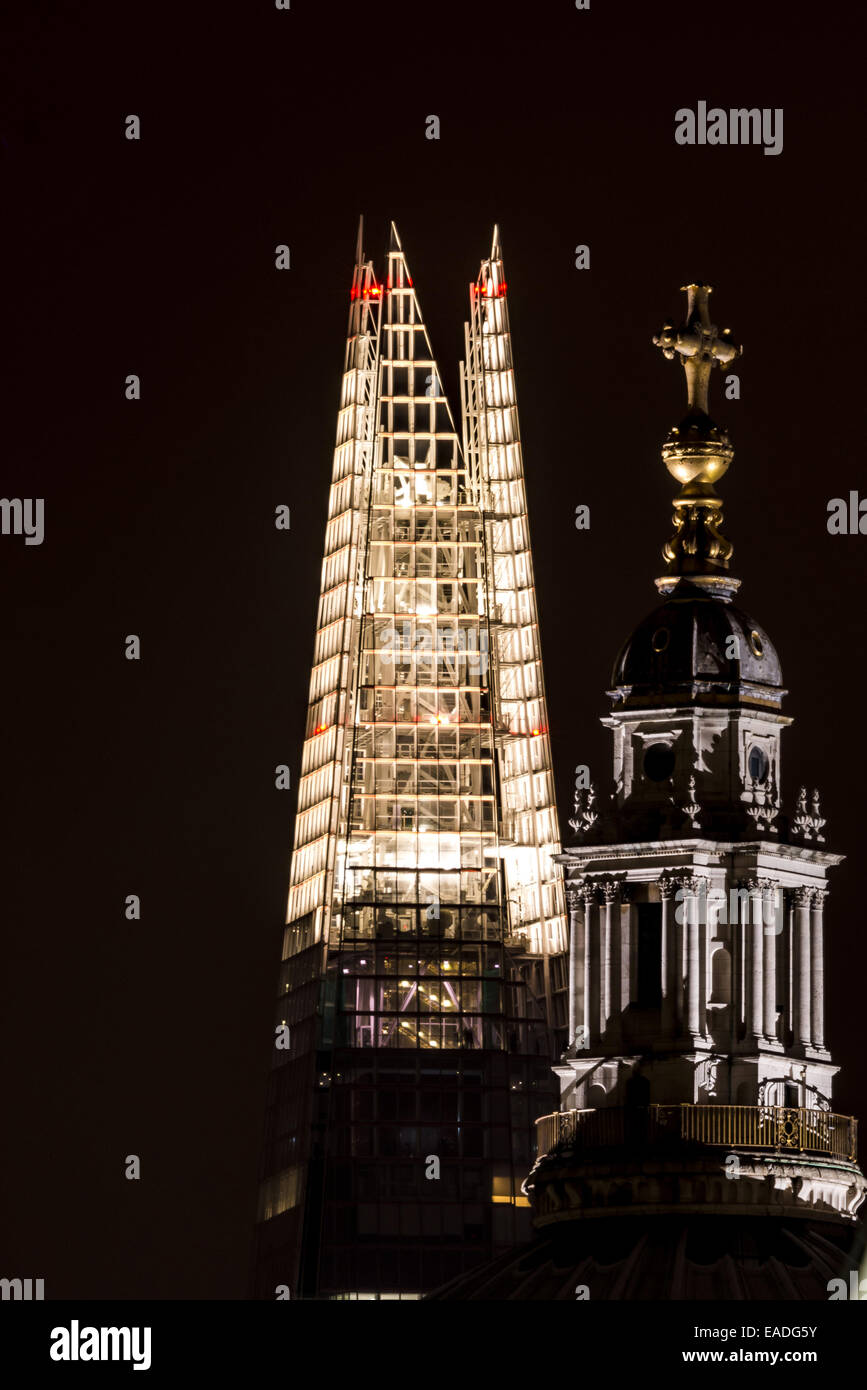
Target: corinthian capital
{"points": [[756, 886], [609, 889], [574, 896], [667, 884], [692, 885]]}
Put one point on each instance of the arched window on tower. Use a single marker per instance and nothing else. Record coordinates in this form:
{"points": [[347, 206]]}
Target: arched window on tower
{"points": [[757, 764]]}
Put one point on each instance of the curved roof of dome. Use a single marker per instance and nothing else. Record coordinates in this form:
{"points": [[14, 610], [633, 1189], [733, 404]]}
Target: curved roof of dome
{"points": [[683, 648], [716, 1257]]}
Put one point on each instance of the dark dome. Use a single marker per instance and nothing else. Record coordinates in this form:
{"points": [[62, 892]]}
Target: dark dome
{"points": [[680, 649], [670, 1257]]}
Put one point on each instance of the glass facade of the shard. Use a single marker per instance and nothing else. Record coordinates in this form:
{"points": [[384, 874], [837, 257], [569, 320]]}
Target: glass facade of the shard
{"points": [[415, 1027]]}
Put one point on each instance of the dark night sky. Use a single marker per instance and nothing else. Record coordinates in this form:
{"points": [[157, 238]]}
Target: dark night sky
{"points": [[261, 127]]}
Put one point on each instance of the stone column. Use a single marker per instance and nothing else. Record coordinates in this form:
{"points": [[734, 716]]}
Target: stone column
{"points": [[606, 953], [771, 930], [691, 926], [591, 956], [621, 945], [576, 961], [620, 964], [756, 959], [817, 963], [669, 963], [739, 974], [803, 901], [680, 935], [703, 954]]}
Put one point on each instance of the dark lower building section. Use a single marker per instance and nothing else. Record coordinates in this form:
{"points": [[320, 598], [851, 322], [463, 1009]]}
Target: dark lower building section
{"points": [[411, 1175], [388, 1170], [424, 1167]]}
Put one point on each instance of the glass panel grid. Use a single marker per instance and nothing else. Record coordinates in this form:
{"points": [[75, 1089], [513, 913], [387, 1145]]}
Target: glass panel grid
{"points": [[529, 832], [421, 859]]}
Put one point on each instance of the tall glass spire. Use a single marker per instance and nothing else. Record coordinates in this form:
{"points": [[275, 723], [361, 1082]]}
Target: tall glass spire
{"points": [[529, 832], [421, 843], [418, 1044], [323, 791]]}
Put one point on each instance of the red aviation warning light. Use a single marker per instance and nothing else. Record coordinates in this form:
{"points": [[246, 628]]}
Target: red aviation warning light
{"points": [[489, 290], [372, 291]]}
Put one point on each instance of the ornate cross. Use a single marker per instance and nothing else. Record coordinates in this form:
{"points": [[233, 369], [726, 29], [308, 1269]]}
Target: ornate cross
{"points": [[699, 344]]}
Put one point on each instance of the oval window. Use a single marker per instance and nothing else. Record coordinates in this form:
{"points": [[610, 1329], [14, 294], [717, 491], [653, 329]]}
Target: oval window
{"points": [[659, 762], [756, 644], [758, 764], [660, 639]]}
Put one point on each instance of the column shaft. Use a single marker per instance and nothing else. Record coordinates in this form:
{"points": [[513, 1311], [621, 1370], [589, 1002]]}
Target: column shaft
{"points": [[668, 966], [618, 1002], [590, 955], [576, 1011], [802, 918], [680, 937], [817, 961], [606, 963], [756, 964], [771, 933], [692, 966]]}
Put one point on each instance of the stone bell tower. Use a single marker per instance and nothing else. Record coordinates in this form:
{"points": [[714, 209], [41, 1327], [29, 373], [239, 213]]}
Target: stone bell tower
{"points": [[697, 897], [696, 1153]]}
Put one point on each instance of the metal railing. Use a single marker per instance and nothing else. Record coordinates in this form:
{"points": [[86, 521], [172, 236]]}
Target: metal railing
{"points": [[777, 1127]]}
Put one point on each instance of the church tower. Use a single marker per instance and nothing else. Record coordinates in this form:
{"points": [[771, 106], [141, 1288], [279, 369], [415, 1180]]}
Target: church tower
{"points": [[696, 1086], [697, 900]]}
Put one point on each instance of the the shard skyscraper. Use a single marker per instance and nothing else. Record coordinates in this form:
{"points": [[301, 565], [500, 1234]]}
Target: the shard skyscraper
{"points": [[422, 988]]}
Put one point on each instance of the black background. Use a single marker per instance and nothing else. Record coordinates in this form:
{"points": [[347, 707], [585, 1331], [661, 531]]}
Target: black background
{"points": [[262, 127]]}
